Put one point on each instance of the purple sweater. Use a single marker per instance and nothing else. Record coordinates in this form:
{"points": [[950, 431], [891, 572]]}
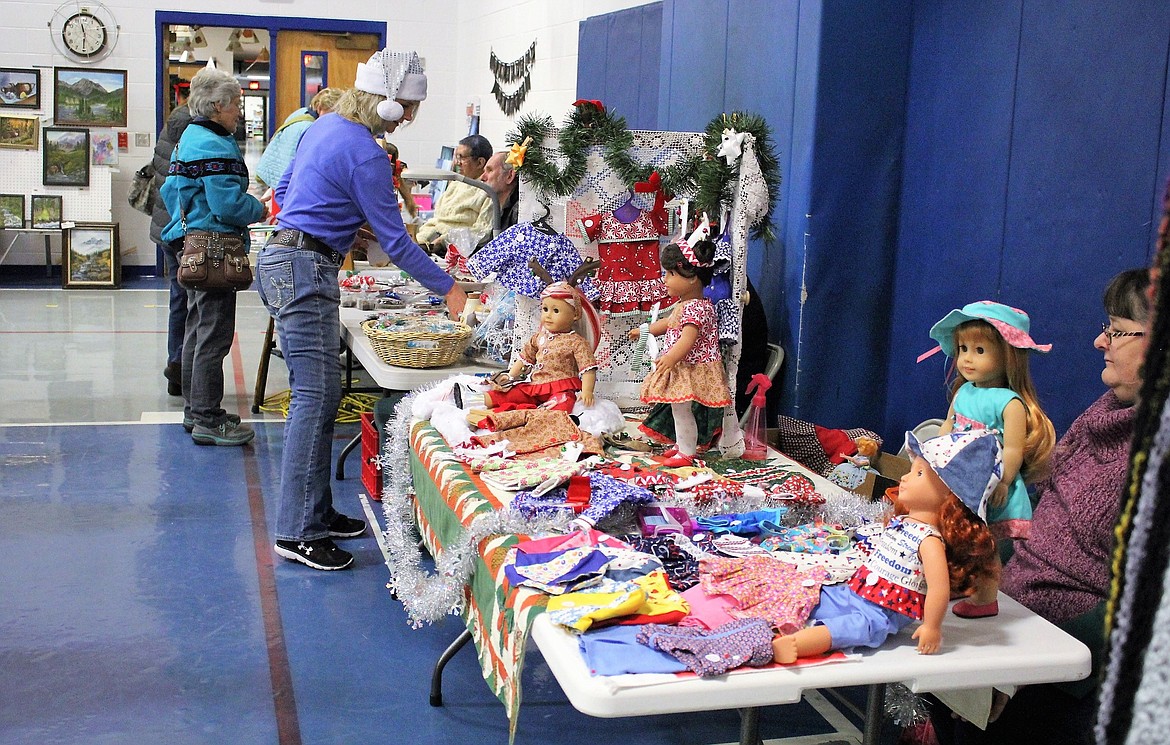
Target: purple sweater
{"points": [[1062, 571]]}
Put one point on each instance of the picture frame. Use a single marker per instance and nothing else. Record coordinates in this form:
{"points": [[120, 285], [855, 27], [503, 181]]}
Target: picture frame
{"points": [[89, 97], [20, 88], [103, 148], [91, 256], [46, 211], [12, 210], [20, 132], [65, 158]]}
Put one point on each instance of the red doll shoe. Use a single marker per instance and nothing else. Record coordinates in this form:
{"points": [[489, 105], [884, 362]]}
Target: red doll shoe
{"points": [[964, 609]]}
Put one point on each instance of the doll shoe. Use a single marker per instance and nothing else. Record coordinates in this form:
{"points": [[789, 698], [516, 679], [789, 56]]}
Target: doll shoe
{"points": [[678, 460], [964, 609]]}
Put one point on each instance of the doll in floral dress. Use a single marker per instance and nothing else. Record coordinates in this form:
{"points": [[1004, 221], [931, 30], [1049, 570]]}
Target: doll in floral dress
{"points": [[688, 376]]}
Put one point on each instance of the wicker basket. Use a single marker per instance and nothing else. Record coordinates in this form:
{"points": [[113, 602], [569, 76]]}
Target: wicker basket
{"points": [[417, 348]]}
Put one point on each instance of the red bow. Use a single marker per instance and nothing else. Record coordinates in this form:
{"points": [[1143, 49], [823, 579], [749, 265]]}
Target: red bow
{"points": [[658, 211], [596, 104]]}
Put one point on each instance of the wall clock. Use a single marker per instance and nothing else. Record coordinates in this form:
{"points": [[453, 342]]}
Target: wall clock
{"points": [[83, 31]]}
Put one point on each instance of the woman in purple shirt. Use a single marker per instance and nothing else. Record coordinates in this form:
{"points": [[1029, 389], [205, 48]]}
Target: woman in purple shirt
{"points": [[339, 180], [1062, 572]]}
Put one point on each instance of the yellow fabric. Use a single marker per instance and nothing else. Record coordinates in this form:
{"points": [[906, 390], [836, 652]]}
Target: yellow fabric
{"points": [[604, 605], [660, 596]]}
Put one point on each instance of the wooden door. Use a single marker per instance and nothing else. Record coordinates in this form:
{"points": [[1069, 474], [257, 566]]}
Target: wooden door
{"points": [[343, 53]]}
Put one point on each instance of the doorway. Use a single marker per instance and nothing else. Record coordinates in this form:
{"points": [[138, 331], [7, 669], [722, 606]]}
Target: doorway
{"points": [[277, 60]]}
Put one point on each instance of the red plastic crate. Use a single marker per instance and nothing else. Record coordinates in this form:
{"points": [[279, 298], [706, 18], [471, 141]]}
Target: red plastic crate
{"points": [[371, 471]]}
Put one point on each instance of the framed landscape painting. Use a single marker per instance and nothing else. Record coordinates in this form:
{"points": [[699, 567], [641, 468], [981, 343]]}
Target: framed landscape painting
{"points": [[86, 97], [46, 211], [19, 132], [20, 88], [12, 210], [65, 158], [90, 256]]}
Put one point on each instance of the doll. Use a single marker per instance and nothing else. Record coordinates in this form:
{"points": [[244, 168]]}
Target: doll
{"points": [[559, 354], [938, 545], [988, 343], [852, 471], [688, 376]]}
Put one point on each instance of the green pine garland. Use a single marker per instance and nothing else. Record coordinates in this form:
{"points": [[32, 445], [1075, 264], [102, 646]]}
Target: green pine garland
{"points": [[709, 178]]}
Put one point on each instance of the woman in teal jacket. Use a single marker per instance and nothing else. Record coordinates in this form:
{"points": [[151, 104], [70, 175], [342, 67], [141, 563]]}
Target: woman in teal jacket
{"points": [[207, 189]]}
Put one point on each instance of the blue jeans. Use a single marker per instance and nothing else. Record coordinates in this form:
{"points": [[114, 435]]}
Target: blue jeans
{"points": [[177, 315], [299, 288]]}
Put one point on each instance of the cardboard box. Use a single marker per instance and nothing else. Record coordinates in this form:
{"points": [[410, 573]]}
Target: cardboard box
{"points": [[890, 469]]}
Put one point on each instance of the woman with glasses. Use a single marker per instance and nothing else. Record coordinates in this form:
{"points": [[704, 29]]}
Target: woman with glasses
{"points": [[1062, 572]]}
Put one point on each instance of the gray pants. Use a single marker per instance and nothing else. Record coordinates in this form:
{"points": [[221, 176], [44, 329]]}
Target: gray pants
{"points": [[211, 326]]}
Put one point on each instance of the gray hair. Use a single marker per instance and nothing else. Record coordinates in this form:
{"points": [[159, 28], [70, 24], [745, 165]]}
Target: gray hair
{"points": [[362, 108], [210, 87]]}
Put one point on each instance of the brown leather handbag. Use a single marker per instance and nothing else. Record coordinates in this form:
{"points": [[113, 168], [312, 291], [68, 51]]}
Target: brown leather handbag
{"points": [[213, 261]]}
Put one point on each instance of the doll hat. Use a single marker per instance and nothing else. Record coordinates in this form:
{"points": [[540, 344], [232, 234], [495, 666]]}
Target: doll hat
{"points": [[1012, 324], [392, 75], [969, 463]]}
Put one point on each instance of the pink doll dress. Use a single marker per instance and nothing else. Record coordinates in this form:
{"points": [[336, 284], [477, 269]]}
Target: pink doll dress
{"points": [[697, 377]]}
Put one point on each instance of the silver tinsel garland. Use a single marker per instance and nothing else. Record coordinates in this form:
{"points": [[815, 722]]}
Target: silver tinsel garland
{"points": [[904, 707], [428, 597]]}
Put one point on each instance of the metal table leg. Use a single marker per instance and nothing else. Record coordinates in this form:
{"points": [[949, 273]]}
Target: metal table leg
{"points": [[345, 451], [749, 726], [49, 257], [874, 714], [437, 676]]}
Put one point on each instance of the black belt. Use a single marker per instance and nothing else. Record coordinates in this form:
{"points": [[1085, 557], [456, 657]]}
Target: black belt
{"points": [[300, 239]]}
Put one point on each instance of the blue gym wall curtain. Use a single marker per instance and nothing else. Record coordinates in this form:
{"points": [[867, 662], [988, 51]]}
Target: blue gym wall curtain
{"points": [[618, 62]]}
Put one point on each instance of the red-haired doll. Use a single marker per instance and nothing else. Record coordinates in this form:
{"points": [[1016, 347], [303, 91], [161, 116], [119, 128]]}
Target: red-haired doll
{"points": [[938, 545]]}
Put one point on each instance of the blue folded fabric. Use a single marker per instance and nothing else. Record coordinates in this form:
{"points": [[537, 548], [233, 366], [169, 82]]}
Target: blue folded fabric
{"points": [[745, 524], [615, 650]]}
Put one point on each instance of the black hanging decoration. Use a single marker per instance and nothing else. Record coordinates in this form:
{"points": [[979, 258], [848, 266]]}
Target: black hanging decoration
{"points": [[510, 103], [511, 72]]}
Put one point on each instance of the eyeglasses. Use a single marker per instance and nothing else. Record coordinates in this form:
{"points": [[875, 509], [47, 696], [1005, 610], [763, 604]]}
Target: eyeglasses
{"points": [[458, 158], [1110, 334]]}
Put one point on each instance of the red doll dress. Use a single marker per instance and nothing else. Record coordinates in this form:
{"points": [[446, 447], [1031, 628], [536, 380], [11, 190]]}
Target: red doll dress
{"points": [[697, 377], [630, 275]]}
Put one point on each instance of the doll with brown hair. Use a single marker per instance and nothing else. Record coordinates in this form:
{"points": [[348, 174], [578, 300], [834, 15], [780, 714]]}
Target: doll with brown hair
{"points": [[559, 356], [989, 344], [689, 374], [937, 545]]}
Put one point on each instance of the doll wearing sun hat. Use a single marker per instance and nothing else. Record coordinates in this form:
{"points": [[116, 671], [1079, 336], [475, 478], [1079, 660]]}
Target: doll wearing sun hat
{"points": [[989, 345]]}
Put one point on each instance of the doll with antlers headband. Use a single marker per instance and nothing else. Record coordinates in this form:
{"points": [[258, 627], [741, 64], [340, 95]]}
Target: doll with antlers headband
{"points": [[559, 354], [688, 376]]}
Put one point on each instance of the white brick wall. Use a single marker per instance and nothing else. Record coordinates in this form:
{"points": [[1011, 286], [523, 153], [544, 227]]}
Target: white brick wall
{"points": [[455, 37]]}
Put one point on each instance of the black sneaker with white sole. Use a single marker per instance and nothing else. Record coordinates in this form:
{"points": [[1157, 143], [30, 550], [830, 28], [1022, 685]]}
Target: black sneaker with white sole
{"points": [[346, 527], [321, 554]]}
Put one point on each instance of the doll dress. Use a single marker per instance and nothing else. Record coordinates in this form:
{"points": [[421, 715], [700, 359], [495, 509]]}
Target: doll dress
{"points": [[697, 377], [892, 576], [630, 275], [728, 316], [507, 255], [980, 408]]}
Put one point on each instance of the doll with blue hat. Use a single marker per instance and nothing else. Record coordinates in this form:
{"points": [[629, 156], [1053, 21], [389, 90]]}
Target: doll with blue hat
{"points": [[937, 545], [989, 345]]}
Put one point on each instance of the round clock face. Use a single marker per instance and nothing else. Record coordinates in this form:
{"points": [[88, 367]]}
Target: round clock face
{"points": [[84, 34]]}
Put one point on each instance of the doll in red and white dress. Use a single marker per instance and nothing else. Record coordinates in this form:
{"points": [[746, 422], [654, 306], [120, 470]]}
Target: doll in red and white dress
{"points": [[688, 376]]}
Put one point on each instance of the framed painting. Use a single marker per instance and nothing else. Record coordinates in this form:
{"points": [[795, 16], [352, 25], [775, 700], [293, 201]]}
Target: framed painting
{"points": [[86, 97], [65, 158], [103, 148], [46, 211], [12, 210], [20, 88], [90, 256], [19, 132]]}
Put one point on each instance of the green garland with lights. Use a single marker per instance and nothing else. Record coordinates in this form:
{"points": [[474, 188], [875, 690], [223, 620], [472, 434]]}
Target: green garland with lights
{"points": [[705, 176]]}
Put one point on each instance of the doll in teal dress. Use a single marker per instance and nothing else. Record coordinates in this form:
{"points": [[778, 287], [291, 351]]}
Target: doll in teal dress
{"points": [[989, 344]]}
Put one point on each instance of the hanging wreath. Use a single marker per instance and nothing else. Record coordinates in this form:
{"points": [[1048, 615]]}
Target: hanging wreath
{"points": [[587, 125], [716, 177], [707, 177]]}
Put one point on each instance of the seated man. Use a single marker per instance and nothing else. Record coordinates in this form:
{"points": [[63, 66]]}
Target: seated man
{"points": [[501, 176], [462, 205]]}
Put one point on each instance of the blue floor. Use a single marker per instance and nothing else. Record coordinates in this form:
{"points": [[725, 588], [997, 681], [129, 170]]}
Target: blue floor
{"points": [[141, 601]]}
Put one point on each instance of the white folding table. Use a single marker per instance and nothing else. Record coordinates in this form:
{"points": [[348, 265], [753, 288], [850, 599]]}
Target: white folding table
{"points": [[1016, 647]]}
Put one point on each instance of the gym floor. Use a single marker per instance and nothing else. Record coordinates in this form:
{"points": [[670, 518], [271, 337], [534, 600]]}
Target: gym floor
{"points": [[142, 602]]}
